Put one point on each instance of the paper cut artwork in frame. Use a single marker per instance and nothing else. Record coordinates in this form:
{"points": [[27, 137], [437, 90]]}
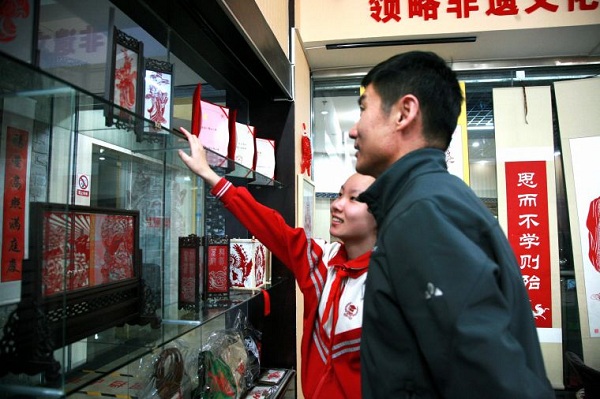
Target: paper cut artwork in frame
{"points": [[83, 276], [89, 248], [158, 95], [125, 83]]}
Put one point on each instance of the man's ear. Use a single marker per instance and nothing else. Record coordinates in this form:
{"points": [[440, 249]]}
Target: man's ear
{"points": [[407, 108]]}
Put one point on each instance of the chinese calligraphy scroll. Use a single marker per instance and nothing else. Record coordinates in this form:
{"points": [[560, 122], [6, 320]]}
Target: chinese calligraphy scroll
{"points": [[527, 207], [15, 188], [529, 234]]}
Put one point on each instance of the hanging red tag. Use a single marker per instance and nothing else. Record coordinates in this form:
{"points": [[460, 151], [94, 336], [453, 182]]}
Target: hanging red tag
{"points": [[267, 302]]}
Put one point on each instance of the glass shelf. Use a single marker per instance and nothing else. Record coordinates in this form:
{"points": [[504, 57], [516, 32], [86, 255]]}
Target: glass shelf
{"points": [[118, 347], [73, 137], [101, 120]]}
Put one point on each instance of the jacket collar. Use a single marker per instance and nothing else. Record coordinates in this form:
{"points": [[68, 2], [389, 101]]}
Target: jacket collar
{"points": [[382, 194]]}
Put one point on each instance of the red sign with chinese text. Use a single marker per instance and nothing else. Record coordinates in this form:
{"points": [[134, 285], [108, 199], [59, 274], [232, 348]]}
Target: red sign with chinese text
{"points": [[529, 232], [15, 188], [385, 11]]}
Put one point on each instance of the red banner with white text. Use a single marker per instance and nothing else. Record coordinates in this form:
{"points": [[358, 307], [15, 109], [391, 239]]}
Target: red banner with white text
{"points": [[529, 232]]}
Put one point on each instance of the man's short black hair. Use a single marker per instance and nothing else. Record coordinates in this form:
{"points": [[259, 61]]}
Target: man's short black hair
{"points": [[427, 76]]}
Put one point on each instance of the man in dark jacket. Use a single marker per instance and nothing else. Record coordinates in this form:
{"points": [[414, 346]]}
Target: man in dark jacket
{"points": [[446, 311]]}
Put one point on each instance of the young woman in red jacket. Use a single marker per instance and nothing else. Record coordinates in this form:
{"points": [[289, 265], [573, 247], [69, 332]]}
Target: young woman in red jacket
{"points": [[331, 276]]}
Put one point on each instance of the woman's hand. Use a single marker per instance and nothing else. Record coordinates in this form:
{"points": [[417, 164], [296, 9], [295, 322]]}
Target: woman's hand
{"points": [[196, 161]]}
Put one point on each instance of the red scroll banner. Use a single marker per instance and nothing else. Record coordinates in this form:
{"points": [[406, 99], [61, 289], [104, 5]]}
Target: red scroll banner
{"points": [[529, 233], [15, 188]]}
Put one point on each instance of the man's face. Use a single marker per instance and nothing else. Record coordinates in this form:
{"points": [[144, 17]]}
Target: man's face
{"points": [[374, 135]]}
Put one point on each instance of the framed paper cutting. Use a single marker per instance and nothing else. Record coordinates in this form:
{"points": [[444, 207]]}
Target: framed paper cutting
{"points": [[83, 255], [91, 247], [124, 85], [158, 93], [83, 276]]}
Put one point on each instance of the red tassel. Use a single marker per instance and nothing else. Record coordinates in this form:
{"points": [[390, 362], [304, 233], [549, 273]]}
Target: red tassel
{"points": [[267, 302]]}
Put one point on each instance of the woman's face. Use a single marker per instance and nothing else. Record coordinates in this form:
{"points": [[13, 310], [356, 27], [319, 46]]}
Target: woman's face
{"points": [[350, 218]]}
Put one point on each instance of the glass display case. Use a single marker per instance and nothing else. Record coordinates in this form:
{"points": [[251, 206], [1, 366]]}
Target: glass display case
{"points": [[95, 200]]}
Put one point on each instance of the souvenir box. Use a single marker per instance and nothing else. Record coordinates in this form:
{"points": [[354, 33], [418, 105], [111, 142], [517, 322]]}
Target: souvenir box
{"points": [[245, 147], [265, 157], [210, 122], [216, 270], [191, 289], [249, 263]]}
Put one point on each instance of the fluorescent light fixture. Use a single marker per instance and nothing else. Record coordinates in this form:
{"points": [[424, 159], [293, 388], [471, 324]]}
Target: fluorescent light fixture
{"points": [[481, 127], [406, 42]]}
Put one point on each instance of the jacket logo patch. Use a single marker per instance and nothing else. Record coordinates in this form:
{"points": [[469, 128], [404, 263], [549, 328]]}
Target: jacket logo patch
{"points": [[350, 310], [432, 291]]}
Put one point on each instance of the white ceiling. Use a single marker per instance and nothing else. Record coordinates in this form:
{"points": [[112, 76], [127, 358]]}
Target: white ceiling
{"points": [[491, 50], [549, 43]]}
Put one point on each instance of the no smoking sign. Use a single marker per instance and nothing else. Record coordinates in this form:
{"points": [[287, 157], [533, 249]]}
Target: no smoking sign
{"points": [[83, 184]]}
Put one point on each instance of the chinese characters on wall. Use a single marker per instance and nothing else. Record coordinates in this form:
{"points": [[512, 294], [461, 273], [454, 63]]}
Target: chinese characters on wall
{"points": [[393, 10], [68, 41], [529, 233]]}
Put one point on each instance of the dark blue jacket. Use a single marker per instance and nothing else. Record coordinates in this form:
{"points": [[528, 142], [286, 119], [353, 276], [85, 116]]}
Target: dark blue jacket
{"points": [[446, 311]]}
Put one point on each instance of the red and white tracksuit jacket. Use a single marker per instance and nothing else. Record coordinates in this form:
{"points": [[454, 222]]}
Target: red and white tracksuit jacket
{"points": [[330, 362]]}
